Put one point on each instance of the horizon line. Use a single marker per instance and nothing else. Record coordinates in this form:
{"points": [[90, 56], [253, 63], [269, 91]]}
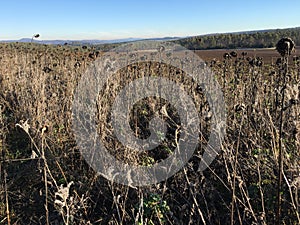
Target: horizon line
{"points": [[152, 37]]}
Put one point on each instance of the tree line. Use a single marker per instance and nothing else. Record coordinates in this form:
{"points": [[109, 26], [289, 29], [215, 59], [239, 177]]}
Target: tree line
{"points": [[252, 39]]}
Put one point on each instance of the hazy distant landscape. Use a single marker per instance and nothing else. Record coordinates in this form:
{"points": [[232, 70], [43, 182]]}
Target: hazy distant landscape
{"points": [[246, 39]]}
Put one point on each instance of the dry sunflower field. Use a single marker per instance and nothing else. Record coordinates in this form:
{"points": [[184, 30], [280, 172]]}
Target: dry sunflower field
{"points": [[45, 180]]}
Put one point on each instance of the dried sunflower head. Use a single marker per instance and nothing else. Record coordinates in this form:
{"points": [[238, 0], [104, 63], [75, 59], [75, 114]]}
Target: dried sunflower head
{"points": [[279, 61], [285, 46], [213, 62], [226, 55], [233, 54], [244, 54]]}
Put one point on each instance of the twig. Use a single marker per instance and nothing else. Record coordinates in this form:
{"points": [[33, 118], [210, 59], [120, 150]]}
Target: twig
{"points": [[194, 199]]}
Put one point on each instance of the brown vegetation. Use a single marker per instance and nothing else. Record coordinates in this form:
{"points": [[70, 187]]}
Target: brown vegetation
{"points": [[44, 179]]}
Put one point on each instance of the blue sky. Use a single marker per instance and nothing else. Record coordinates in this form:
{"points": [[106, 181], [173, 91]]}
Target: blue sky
{"points": [[111, 19]]}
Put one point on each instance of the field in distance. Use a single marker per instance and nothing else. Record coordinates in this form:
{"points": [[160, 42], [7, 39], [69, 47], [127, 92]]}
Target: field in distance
{"points": [[270, 55]]}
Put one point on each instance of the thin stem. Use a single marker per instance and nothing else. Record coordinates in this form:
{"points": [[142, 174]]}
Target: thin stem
{"points": [[45, 183], [280, 155], [194, 198], [6, 198]]}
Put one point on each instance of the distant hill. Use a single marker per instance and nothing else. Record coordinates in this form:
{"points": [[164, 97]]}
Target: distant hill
{"points": [[243, 39], [74, 42], [88, 42]]}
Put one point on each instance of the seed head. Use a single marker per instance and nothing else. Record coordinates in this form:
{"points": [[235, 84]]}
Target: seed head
{"points": [[161, 48], [278, 62], [46, 69], [258, 61], [244, 54], [226, 55], [233, 54], [296, 59], [213, 62], [285, 46]]}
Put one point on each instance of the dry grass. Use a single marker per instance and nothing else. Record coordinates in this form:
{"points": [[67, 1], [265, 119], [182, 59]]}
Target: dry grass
{"points": [[40, 159]]}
